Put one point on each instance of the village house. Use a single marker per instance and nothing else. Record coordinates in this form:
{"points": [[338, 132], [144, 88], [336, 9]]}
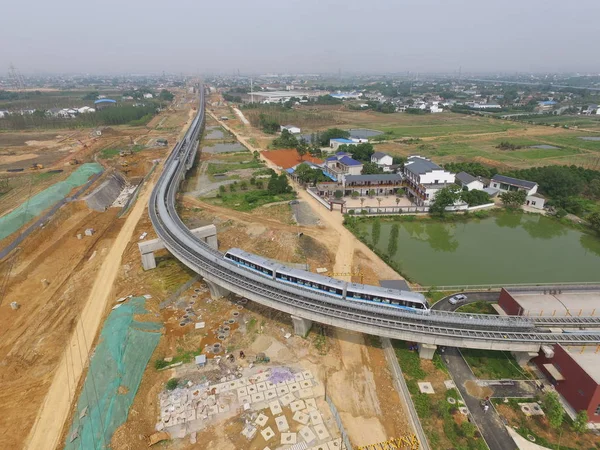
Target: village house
{"points": [[383, 161], [291, 128], [469, 182], [377, 184], [424, 178], [337, 142], [508, 184], [340, 165]]}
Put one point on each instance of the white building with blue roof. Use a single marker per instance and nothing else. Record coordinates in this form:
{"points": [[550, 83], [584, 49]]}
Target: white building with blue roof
{"points": [[340, 165], [337, 142]]}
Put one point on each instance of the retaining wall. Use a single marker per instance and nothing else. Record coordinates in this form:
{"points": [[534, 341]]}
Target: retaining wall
{"points": [[105, 194]]}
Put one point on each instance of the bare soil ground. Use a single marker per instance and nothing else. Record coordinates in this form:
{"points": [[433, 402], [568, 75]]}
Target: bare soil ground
{"points": [[288, 158], [33, 337]]}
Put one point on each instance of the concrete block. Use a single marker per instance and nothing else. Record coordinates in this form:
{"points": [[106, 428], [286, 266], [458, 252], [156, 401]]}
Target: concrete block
{"points": [[270, 394], [426, 387], [300, 417], [307, 434], [306, 384], [261, 420], [449, 384], [267, 433], [321, 431], [307, 374], [315, 417], [311, 404], [287, 399], [298, 376], [335, 445], [282, 390], [261, 387], [258, 397], [306, 393], [298, 405], [242, 392], [275, 408], [282, 424], [294, 387], [288, 438]]}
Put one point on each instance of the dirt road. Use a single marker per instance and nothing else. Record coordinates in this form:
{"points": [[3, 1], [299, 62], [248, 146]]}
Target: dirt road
{"points": [[46, 431], [344, 261]]}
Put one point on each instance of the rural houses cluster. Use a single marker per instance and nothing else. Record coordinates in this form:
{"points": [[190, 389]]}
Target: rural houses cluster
{"points": [[419, 179]]}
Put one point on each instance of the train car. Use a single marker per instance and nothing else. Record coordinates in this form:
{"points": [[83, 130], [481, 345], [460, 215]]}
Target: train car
{"points": [[326, 285], [311, 281], [377, 294], [262, 266]]}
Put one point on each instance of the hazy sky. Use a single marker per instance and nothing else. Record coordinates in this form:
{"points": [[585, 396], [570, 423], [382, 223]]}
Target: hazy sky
{"points": [[309, 36]]}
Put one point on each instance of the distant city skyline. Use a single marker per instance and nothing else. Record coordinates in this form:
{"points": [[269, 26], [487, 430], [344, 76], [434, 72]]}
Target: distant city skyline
{"points": [[300, 36]]}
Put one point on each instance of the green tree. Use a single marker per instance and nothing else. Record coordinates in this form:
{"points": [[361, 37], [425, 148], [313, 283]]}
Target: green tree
{"points": [[166, 96], [244, 185], [232, 188], [376, 231], [278, 185], [172, 384], [593, 189], [354, 194], [554, 410], [222, 189], [268, 125], [332, 133], [371, 193], [445, 197], [513, 199], [370, 168], [580, 423], [338, 194], [468, 429], [475, 197], [285, 140], [302, 148], [594, 221]]}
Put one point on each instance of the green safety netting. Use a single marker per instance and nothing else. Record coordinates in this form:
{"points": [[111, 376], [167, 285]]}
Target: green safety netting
{"points": [[33, 207], [115, 372]]}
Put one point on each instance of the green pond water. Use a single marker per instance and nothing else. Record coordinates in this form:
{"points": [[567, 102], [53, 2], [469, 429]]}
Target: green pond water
{"points": [[508, 248]]}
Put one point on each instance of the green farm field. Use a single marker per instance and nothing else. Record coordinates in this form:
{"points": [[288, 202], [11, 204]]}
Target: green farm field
{"points": [[449, 137]]}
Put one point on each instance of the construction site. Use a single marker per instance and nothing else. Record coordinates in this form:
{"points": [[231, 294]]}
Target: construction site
{"points": [[99, 353]]}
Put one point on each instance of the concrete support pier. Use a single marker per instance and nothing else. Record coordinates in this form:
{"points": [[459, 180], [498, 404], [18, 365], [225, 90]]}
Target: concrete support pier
{"points": [[216, 291], [426, 351], [207, 234], [301, 326], [523, 358]]}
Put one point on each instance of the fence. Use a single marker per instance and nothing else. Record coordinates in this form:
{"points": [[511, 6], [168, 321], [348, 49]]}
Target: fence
{"points": [[402, 388], [385, 210], [556, 288], [325, 203], [338, 421]]}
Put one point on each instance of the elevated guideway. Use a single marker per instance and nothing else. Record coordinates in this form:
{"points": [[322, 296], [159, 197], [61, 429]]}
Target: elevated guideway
{"points": [[511, 333]]}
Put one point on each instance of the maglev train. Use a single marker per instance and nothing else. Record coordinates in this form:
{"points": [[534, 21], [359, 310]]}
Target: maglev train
{"points": [[325, 285]]}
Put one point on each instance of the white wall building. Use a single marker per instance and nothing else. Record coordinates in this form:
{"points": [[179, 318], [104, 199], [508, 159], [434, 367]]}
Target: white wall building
{"points": [[291, 128], [383, 160], [148, 95], [509, 184], [424, 179], [466, 180], [337, 142], [342, 164]]}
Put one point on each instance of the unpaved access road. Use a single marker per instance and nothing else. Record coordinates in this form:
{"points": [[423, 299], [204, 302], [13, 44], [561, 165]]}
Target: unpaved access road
{"points": [[47, 429]]}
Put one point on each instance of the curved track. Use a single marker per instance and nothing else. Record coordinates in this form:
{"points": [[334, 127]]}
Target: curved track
{"points": [[435, 327]]}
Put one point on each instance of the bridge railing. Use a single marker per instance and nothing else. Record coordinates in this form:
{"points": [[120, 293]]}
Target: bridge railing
{"points": [[535, 287]]}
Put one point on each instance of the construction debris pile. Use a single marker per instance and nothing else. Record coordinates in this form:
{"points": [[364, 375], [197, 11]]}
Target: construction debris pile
{"points": [[288, 397]]}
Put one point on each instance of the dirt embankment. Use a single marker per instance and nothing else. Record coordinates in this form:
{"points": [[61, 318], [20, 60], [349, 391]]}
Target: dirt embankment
{"points": [[33, 337]]}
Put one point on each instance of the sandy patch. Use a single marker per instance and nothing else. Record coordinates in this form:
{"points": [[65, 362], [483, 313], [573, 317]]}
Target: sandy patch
{"points": [[9, 159]]}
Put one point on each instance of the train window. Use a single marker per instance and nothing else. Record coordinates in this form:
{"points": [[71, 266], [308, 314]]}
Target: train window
{"points": [[300, 282], [315, 285], [355, 295], [333, 290]]}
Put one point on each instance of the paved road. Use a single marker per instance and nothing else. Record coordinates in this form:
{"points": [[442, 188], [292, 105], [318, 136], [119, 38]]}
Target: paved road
{"points": [[472, 297], [519, 389], [490, 424]]}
